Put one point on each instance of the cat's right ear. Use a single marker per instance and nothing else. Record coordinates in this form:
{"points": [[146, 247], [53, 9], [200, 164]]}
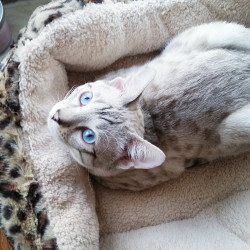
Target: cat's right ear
{"points": [[140, 154], [132, 86]]}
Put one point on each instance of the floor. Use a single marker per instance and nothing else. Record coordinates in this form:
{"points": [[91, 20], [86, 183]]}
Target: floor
{"points": [[18, 13], [4, 245]]}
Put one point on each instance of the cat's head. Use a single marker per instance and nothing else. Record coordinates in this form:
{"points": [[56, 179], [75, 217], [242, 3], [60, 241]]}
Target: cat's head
{"points": [[103, 126]]}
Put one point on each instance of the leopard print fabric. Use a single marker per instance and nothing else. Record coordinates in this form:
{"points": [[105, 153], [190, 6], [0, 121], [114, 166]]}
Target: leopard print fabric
{"points": [[44, 15], [23, 216], [19, 191]]}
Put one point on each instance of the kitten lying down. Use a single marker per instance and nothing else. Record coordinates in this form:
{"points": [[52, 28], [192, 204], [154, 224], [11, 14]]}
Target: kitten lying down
{"points": [[146, 126]]}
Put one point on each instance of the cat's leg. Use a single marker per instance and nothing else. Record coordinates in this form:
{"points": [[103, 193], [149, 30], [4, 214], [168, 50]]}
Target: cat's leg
{"points": [[235, 129], [211, 36], [195, 162]]}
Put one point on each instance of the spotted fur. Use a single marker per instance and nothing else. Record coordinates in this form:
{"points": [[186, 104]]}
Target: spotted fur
{"points": [[20, 201]]}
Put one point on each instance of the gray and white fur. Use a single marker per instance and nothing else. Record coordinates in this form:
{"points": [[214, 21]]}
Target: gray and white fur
{"points": [[191, 102]]}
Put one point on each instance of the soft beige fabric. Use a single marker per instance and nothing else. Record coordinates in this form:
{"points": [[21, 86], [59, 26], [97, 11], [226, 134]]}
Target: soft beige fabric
{"points": [[177, 199], [224, 226], [92, 39]]}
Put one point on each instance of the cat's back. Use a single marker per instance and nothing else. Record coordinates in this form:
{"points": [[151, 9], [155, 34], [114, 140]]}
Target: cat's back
{"points": [[192, 94], [197, 81], [205, 57]]}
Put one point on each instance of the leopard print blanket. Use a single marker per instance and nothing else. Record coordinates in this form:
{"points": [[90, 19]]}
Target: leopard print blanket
{"points": [[23, 216]]}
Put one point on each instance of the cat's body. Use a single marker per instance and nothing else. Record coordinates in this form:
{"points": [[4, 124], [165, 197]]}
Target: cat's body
{"points": [[192, 102]]}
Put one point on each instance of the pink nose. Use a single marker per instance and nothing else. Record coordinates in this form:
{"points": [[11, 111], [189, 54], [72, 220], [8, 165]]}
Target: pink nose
{"points": [[55, 117]]}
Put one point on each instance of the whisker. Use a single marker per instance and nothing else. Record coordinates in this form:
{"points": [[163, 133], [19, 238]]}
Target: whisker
{"points": [[71, 90], [59, 98], [113, 137], [107, 144]]}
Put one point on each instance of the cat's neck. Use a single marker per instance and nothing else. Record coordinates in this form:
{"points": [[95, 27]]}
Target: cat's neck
{"points": [[151, 130], [159, 115]]}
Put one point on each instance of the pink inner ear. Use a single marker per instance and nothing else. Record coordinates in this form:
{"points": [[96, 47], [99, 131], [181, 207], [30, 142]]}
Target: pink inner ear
{"points": [[125, 163], [118, 83]]}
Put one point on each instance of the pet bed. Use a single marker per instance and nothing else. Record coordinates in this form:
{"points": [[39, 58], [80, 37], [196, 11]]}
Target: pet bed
{"points": [[47, 200]]}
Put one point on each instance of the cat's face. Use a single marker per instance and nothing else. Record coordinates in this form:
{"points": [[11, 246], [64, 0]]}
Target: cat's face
{"points": [[102, 125]]}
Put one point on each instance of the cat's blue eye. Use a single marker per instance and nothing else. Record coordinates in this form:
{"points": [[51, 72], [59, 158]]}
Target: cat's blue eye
{"points": [[85, 98], [88, 136]]}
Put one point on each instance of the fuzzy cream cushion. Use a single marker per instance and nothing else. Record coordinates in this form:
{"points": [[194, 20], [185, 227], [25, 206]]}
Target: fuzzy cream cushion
{"points": [[93, 39]]}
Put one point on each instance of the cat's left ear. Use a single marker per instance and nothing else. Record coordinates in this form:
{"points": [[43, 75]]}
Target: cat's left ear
{"points": [[141, 154], [132, 86]]}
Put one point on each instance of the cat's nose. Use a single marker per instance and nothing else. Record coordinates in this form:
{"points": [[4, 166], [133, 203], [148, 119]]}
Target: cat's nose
{"points": [[55, 117], [59, 117], [66, 116]]}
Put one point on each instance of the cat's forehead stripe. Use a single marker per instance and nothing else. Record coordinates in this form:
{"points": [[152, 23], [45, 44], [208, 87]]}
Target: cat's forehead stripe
{"points": [[110, 115], [110, 121], [106, 108]]}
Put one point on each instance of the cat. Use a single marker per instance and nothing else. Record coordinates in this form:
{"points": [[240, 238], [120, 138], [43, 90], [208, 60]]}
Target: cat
{"points": [[153, 121]]}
